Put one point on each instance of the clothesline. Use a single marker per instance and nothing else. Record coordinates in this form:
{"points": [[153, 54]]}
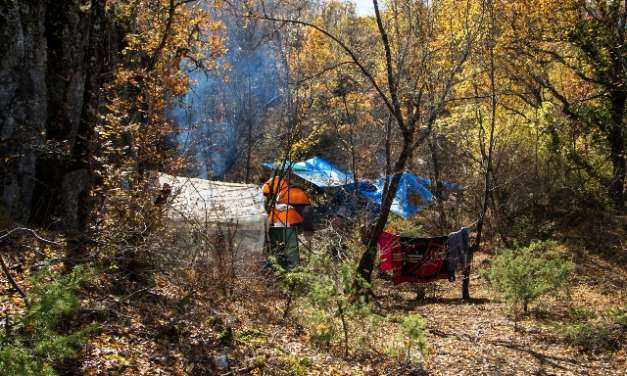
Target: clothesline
{"points": [[426, 259]]}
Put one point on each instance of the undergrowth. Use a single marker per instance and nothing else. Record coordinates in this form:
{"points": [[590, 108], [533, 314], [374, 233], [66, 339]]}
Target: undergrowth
{"points": [[40, 339], [324, 298], [524, 274], [597, 334]]}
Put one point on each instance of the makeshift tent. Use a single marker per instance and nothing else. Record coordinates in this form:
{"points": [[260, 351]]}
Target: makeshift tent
{"points": [[274, 185], [285, 215], [318, 172], [411, 195], [203, 205]]}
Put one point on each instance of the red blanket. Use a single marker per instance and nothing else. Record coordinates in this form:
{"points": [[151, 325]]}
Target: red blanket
{"points": [[413, 259]]}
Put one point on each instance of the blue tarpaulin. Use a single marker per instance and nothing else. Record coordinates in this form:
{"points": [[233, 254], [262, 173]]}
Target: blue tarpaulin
{"points": [[318, 172], [411, 197]]}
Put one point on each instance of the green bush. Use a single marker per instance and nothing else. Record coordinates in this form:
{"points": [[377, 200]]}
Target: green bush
{"points": [[604, 334], [581, 313], [38, 341], [524, 274], [412, 336], [414, 329], [293, 365], [322, 326], [325, 291]]}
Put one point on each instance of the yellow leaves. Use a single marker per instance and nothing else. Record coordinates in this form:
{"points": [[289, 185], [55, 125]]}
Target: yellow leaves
{"points": [[149, 78], [302, 146]]}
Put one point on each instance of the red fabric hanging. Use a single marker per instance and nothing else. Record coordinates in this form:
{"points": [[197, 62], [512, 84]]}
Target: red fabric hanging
{"points": [[389, 244], [418, 260]]}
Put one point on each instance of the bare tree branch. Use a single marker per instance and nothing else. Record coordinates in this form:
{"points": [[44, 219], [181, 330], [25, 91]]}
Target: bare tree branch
{"points": [[342, 45]]}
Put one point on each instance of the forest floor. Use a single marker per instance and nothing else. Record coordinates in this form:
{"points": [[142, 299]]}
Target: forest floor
{"points": [[161, 331], [172, 328]]}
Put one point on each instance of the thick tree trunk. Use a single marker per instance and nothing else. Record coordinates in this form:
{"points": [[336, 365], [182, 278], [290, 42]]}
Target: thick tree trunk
{"points": [[366, 264], [75, 60], [23, 103], [51, 75]]}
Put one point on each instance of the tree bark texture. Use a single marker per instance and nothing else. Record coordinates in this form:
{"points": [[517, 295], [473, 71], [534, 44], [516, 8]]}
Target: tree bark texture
{"points": [[55, 56], [367, 261]]}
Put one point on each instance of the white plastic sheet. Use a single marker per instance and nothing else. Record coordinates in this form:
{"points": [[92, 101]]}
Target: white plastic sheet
{"points": [[205, 205]]}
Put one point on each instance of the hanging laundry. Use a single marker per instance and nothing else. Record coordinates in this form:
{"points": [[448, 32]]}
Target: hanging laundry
{"points": [[418, 260], [389, 245], [424, 259], [458, 250]]}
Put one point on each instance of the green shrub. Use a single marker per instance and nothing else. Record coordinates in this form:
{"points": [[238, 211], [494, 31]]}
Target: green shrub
{"points": [[295, 366], [604, 334], [414, 329], [581, 313], [326, 291], [322, 326], [524, 274], [38, 339], [412, 336], [252, 337]]}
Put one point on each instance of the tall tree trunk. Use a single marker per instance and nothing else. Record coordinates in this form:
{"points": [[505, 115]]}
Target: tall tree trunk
{"points": [[436, 185], [76, 59], [488, 160], [23, 103], [51, 73], [366, 264]]}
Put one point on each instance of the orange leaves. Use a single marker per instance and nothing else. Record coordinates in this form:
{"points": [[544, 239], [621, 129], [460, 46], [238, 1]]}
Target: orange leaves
{"points": [[151, 75]]}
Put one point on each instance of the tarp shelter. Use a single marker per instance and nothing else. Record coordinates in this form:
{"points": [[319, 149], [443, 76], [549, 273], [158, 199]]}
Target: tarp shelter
{"points": [[411, 195], [204, 205], [318, 172]]}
